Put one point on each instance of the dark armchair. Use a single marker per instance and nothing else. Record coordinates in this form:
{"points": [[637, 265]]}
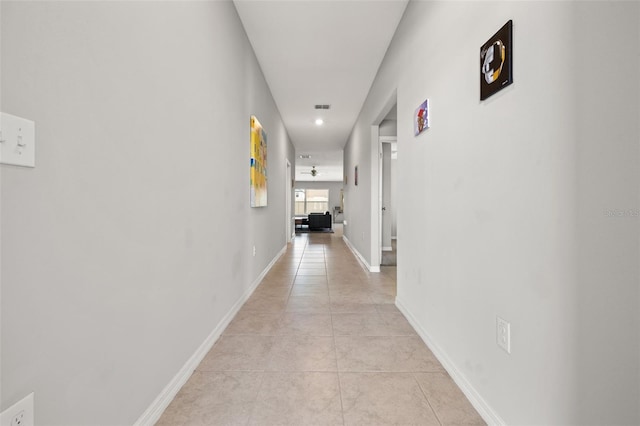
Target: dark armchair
{"points": [[319, 220]]}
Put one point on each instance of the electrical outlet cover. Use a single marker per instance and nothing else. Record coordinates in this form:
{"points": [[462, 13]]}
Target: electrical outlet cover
{"points": [[19, 414], [503, 334], [18, 419]]}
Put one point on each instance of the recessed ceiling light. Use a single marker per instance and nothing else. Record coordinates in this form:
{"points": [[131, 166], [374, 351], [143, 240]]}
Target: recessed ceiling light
{"points": [[304, 156], [319, 121]]}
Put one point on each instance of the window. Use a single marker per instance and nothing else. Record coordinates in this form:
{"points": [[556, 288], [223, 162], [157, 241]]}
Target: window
{"points": [[311, 201]]}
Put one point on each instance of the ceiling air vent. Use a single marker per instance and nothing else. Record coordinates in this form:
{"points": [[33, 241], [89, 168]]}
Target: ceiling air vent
{"points": [[324, 106]]}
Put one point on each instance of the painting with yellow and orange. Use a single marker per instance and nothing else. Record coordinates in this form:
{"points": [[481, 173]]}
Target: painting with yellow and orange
{"points": [[258, 164]]}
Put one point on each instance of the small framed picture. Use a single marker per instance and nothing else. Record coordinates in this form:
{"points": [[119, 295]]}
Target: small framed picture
{"points": [[421, 118], [496, 62]]}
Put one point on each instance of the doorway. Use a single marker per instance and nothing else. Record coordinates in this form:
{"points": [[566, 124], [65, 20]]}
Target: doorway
{"points": [[387, 155], [388, 239], [384, 131]]}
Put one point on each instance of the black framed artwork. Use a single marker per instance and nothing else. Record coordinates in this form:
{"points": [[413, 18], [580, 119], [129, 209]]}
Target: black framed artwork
{"points": [[496, 62]]}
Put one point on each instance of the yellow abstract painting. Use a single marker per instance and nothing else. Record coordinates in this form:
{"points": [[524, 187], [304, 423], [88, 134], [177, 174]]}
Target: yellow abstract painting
{"points": [[258, 164]]}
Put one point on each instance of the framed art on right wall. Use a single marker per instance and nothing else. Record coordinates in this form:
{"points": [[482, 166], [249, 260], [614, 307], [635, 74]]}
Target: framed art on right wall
{"points": [[496, 62]]}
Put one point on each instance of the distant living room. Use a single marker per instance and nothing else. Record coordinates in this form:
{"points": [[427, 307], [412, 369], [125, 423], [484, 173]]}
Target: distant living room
{"points": [[313, 210]]}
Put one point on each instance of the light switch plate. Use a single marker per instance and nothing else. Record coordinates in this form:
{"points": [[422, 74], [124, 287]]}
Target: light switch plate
{"points": [[17, 141]]}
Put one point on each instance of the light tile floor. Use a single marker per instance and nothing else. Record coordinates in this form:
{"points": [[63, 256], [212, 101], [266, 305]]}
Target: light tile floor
{"points": [[320, 342]]}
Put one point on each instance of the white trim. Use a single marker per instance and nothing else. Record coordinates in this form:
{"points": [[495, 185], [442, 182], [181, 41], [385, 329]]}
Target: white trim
{"points": [[483, 408], [394, 238], [387, 248], [288, 172], [376, 180], [365, 265], [162, 401], [376, 197]]}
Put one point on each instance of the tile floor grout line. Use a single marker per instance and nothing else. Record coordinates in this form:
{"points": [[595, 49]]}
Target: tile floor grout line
{"points": [[335, 347], [321, 371], [294, 277], [255, 400], [340, 392], [389, 372], [426, 397], [279, 336]]}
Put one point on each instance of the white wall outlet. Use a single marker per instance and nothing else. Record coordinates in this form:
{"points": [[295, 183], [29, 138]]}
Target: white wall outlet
{"points": [[19, 414], [18, 419], [503, 334], [254, 251], [17, 141]]}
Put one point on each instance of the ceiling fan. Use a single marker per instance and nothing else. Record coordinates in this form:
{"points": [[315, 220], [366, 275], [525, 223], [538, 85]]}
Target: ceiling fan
{"points": [[313, 172]]}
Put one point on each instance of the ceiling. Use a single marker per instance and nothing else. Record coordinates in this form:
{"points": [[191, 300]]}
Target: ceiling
{"points": [[320, 52], [328, 165]]}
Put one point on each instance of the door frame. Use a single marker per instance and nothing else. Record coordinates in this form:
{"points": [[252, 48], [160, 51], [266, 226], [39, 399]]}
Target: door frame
{"points": [[389, 140], [376, 183], [288, 188]]}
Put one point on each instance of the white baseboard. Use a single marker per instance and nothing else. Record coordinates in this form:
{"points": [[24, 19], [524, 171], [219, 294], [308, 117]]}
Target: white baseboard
{"points": [[387, 248], [360, 257], [487, 413], [157, 407]]}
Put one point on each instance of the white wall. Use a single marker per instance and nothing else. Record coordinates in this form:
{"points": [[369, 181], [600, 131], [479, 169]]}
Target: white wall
{"points": [[357, 198], [131, 239], [607, 216], [513, 194], [389, 128]]}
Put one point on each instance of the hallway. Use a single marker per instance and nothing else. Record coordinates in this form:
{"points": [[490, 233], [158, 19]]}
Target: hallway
{"points": [[320, 342]]}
